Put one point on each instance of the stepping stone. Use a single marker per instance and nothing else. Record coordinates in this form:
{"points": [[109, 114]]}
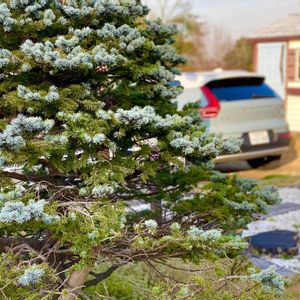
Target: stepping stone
{"points": [[283, 209], [276, 242], [264, 264]]}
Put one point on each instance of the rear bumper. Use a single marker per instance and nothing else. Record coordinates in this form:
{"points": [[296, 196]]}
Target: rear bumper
{"points": [[252, 154]]}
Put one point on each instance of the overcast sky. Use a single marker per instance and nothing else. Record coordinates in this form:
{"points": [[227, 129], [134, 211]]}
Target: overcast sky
{"points": [[242, 17], [239, 17]]}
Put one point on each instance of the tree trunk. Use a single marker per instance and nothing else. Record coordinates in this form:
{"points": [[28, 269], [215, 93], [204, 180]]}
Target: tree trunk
{"points": [[156, 207], [75, 283]]}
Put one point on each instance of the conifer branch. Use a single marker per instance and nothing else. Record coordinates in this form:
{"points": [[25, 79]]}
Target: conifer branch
{"points": [[103, 275]]}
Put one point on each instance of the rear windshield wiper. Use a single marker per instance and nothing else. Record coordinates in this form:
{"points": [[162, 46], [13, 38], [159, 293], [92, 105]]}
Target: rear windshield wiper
{"points": [[255, 96]]}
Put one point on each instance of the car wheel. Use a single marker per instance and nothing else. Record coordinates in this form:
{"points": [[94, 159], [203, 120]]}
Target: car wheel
{"points": [[261, 161]]}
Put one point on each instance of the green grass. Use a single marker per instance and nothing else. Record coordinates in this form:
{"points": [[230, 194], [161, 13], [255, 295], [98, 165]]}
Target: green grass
{"points": [[281, 180]]}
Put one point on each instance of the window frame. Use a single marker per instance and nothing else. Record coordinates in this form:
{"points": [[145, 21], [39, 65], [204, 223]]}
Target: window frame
{"points": [[297, 65]]}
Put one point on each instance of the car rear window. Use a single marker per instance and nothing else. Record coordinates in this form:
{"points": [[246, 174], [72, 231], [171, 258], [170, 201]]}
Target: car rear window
{"points": [[241, 89], [175, 83]]}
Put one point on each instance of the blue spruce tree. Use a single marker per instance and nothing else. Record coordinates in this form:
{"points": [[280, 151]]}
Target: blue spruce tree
{"points": [[83, 82]]}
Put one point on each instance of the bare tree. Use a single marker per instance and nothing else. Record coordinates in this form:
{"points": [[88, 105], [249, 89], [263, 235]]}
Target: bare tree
{"points": [[191, 33], [168, 10], [240, 56], [218, 43]]}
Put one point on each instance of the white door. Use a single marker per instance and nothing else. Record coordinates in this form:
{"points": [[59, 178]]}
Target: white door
{"points": [[272, 63]]}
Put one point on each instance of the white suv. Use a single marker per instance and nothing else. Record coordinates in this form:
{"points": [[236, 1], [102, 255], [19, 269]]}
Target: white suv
{"points": [[239, 104]]}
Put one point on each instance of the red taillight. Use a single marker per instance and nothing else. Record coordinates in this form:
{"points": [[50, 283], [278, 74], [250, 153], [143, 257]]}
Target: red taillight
{"points": [[209, 112], [284, 136], [213, 106]]}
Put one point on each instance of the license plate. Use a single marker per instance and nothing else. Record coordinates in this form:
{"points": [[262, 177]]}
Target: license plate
{"points": [[259, 137]]}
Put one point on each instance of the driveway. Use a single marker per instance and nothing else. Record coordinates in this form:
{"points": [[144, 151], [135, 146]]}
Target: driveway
{"points": [[285, 172]]}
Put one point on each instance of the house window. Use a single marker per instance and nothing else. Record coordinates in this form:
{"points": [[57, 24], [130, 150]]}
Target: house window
{"points": [[298, 64]]}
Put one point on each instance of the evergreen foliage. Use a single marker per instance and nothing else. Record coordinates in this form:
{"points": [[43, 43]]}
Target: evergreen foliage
{"points": [[82, 83]]}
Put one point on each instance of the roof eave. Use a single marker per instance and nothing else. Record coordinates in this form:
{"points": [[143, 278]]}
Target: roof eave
{"points": [[273, 39]]}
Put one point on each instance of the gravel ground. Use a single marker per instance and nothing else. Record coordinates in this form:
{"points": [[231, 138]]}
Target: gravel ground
{"points": [[289, 220], [290, 195]]}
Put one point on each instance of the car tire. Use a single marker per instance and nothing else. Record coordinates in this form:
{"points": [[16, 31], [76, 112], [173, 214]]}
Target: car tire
{"points": [[261, 161]]}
